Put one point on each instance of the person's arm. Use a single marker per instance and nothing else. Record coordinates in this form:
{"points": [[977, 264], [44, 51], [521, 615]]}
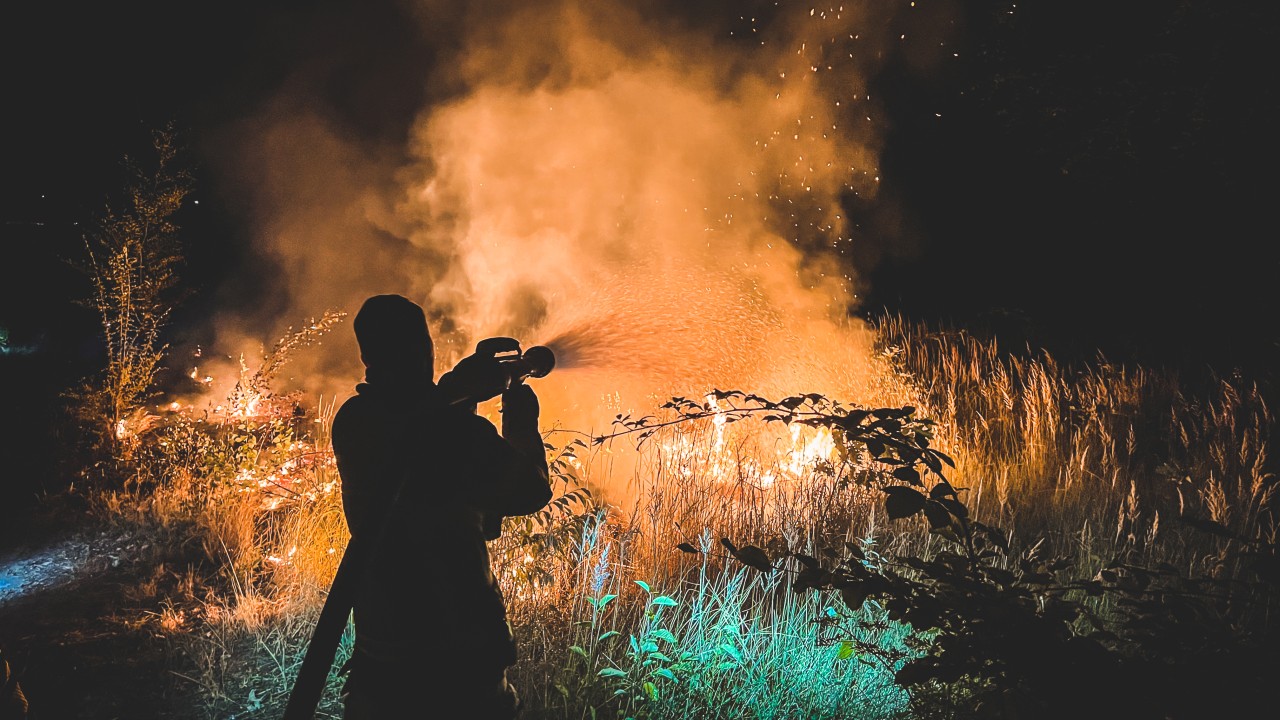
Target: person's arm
{"points": [[520, 410], [515, 479], [528, 473]]}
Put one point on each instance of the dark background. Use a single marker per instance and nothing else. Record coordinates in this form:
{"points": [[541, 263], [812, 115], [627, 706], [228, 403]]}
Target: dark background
{"points": [[1100, 181]]}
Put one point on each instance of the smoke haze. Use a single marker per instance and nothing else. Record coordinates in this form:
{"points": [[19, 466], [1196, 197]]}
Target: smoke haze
{"points": [[658, 197]]}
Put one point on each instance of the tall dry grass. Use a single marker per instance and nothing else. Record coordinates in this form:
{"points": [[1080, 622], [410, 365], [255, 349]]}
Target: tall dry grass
{"points": [[614, 619], [1100, 459]]}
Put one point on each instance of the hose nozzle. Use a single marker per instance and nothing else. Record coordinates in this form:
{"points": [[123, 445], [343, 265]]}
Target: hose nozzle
{"points": [[537, 361]]}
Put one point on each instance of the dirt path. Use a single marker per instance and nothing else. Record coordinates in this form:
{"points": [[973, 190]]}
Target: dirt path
{"points": [[78, 622]]}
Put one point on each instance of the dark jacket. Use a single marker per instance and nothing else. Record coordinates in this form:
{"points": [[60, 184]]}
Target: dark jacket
{"points": [[435, 472]]}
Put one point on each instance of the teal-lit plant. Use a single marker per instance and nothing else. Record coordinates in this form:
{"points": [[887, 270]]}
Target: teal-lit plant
{"points": [[1004, 629], [649, 661]]}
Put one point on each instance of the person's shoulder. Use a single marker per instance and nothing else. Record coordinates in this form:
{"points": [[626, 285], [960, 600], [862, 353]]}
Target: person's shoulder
{"points": [[352, 404], [355, 407]]}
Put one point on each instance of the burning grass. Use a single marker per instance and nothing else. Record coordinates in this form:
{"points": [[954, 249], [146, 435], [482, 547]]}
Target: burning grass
{"points": [[635, 609]]}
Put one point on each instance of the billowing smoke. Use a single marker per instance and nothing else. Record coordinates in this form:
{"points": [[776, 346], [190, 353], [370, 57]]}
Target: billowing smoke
{"points": [[657, 197]]}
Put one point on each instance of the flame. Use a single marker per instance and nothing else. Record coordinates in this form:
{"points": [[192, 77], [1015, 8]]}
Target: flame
{"points": [[796, 452], [662, 207], [291, 480], [129, 429]]}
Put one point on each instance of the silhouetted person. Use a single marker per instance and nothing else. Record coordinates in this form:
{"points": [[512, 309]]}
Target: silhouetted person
{"points": [[427, 480], [13, 703]]}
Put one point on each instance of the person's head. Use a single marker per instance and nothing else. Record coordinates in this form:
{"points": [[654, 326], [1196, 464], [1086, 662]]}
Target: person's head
{"points": [[395, 344]]}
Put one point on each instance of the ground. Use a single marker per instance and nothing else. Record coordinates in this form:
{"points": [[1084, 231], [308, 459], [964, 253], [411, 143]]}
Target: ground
{"points": [[79, 621]]}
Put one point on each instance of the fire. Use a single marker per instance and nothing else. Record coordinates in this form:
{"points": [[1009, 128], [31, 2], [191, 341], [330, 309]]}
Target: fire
{"points": [[129, 429], [807, 450], [662, 208], [718, 458], [273, 457], [290, 480], [277, 560]]}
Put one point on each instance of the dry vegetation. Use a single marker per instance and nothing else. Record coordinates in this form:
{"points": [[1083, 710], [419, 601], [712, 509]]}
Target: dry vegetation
{"points": [[613, 619], [767, 569]]}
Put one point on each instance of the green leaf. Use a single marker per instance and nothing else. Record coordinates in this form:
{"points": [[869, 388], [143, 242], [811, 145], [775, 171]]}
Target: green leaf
{"points": [[651, 690], [931, 461], [854, 595], [937, 514], [853, 419], [730, 650], [903, 501], [753, 557], [907, 475], [945, 458], [810, 577], [611, 672], [600, 602], [807, 561], [659, 657], [643, 585], [664, 634], [855, 551], [578, 649], [955, 507], [846, 650], [607, 635], [997, 538], [663, 672], [664, 600]]}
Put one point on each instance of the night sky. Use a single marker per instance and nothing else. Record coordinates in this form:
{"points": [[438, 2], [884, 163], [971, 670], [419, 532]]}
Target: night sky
{"points": [[1080, 175]]}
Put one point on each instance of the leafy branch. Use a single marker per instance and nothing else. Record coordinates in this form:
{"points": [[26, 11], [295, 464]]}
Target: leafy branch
{"points": [[132, 259], [253, 386], [1006, 631], [892, 436]]}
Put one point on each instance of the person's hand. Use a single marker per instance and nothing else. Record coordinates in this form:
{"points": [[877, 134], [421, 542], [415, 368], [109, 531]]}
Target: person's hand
{"points": [[476, 378], [520, 405]]}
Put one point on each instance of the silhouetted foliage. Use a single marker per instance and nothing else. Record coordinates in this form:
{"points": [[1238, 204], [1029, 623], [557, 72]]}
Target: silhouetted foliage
{"points": [[132, 258], [1004, 629]]}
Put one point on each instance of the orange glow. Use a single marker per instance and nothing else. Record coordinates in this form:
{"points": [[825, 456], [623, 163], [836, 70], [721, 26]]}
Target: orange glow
{"points": [[661, 208]]}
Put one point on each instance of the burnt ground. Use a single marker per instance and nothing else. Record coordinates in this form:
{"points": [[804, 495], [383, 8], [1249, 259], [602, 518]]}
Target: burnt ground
{"points": [[80, 620]]}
